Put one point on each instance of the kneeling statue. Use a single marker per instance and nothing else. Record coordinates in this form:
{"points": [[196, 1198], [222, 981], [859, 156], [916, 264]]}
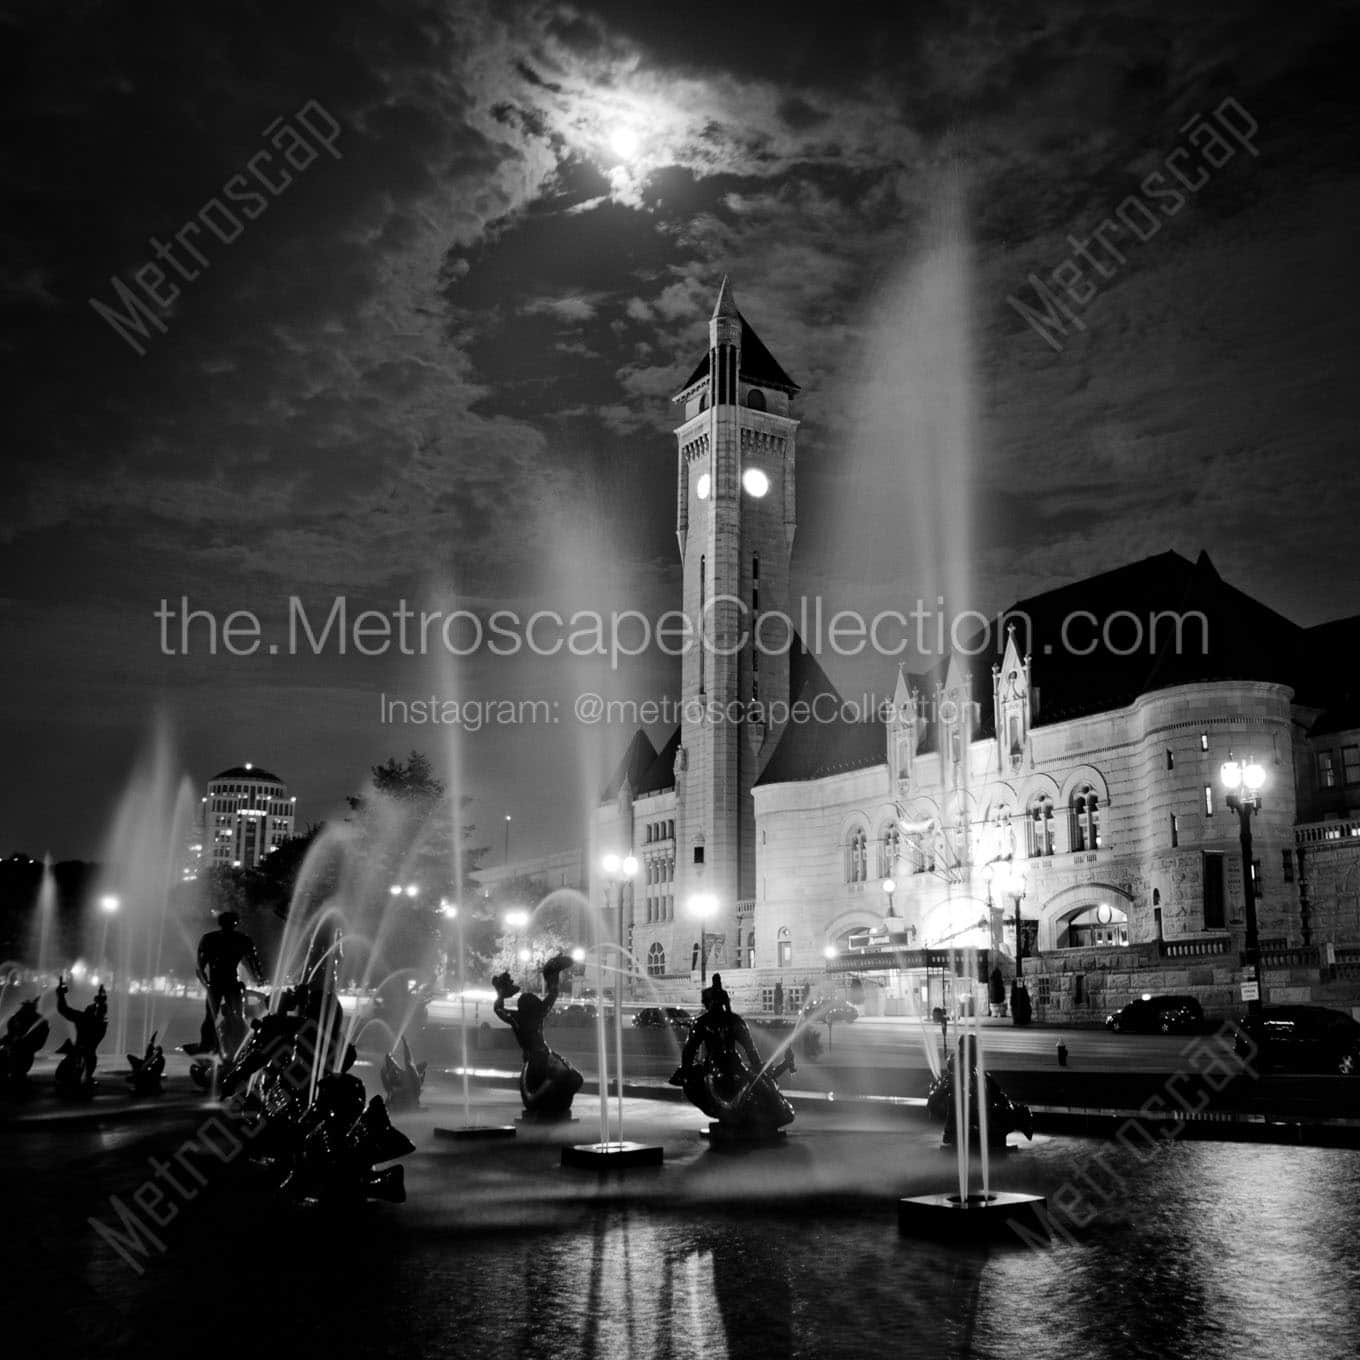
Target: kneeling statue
{"points": [[1004, 1115], [75, 1072], [721, 1072], [547, 1081]]}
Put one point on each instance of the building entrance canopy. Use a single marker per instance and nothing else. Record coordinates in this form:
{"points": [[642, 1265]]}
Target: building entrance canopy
{"points": [[955, 961]]}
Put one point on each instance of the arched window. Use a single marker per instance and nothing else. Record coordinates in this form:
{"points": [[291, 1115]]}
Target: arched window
{"points": [[755, 399], [857, 857], [1085, 817], [1041, 827], [656, 960], [785, 948], [1099, 925]]}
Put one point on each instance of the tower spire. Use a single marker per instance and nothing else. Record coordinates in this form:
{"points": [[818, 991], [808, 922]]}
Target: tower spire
{"points": [[726, 304]]}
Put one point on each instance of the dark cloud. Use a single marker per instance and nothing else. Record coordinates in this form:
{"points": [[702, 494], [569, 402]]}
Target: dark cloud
{"points": [[426, 354]]}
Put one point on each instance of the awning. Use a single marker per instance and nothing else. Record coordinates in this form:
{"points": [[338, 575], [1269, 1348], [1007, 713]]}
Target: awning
{"points": [[903, 960]]}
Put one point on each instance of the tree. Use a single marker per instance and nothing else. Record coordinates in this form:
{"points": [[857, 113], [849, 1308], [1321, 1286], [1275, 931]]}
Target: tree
{"points": [[408, 835]]}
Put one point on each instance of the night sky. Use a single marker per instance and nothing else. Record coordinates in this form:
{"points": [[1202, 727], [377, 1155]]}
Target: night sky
{"points": [[436, 364]]}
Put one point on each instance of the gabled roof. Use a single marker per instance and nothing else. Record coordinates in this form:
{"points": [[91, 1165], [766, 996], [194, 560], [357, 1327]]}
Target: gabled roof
{"points": [[637, 760], [758, 365], [660, 775], [812, 749], [1099, 643]]}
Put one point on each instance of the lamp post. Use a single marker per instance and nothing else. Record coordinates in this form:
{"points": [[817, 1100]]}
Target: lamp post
{"points": [[507, 838], [702, 906], [1244, 781]]}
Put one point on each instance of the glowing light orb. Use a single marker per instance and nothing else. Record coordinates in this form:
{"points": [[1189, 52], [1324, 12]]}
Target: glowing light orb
{"points": [[703, 486], [624, 142], [755, 482]]}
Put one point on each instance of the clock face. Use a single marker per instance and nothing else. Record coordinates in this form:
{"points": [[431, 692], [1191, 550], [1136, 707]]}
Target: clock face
{"points": [[703, 486], [755, 482]]}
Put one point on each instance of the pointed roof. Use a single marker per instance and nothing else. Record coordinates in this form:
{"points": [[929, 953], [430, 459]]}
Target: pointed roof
{"points": [[660, 775], [637, 760], [758, 365], [726, 304], [1224, 635], [1168, 621], [813, 749]]}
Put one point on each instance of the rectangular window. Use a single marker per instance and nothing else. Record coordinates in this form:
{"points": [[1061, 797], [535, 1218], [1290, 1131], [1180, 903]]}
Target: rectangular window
{"points": [[1170, 759], [1326, 768], [1287, 865], [1350, 764], [785, 953], [698, 854], [1203, 741], [1208, 800], [1175, 830], [1215, 916]]}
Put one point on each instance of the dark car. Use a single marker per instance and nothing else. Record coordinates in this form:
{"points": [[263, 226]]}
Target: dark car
{"points": [[828, 1012], [1300, 1039], [664, 1017], [578, 1014], [1158, 1015]]}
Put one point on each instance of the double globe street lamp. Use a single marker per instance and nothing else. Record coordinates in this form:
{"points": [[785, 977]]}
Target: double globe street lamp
{"points": [[1244, 781]]}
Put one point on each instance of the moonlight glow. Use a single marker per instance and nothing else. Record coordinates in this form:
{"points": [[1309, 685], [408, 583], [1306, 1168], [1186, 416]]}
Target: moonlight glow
{"points": [[624, 143]]}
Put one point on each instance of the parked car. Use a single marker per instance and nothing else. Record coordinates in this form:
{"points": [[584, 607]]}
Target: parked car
{"points": [[1300, 1039], [577, 1013], [664, 1017], [1158, 1015], [831, 1013]]}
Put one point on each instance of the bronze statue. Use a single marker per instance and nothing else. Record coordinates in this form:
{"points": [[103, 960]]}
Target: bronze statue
{"points": [[547, 1081], [75, 1072], [146, 1073], [1004, 1115], [25, 1034], [403, 1081], [721, 1071]]}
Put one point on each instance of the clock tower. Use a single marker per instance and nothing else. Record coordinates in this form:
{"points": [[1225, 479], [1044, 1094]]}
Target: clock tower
{"points": [[735, 523]]}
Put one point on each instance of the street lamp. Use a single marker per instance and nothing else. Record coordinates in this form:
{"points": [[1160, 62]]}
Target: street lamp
{"points": [[890, 887], [702, 906], [1244, 781]]}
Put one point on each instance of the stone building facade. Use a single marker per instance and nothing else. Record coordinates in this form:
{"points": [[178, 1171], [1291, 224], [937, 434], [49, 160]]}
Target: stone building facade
{"points": [[881, 858]]}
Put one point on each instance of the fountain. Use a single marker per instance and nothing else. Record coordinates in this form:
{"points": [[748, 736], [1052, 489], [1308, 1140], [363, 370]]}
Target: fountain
{"points": [[985, 1214], [467, 1129]]}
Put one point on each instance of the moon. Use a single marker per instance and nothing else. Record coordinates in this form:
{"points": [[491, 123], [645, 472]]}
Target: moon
{"points": [[624, 142]]}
